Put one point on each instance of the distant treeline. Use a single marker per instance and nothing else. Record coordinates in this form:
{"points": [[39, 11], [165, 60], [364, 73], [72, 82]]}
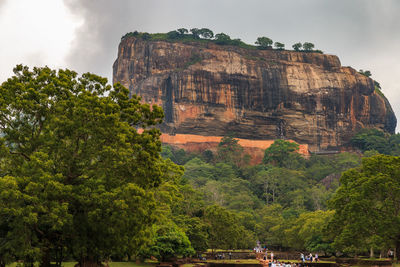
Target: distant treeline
{"points": [[206, 35]]}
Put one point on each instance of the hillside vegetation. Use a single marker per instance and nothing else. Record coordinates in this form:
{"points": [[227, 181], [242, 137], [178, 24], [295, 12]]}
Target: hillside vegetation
{"points": [[205, 35]]}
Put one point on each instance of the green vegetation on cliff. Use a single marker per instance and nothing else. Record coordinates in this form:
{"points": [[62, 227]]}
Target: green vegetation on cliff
{"points": [[205, 35]]}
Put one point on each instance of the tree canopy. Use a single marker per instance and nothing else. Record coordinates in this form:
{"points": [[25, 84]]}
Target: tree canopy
{"points": [[264, 42], [282, 153], [366, 206], [222, 38], [308, 46], [279, 45], [76, 173], [297, 46]]}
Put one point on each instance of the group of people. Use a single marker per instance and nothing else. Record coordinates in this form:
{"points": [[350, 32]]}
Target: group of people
{"points": [[276, 263], [221, 256], [309, 257]]}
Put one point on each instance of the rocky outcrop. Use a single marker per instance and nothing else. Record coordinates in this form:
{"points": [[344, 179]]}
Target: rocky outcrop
{"points": [[211, 90]]}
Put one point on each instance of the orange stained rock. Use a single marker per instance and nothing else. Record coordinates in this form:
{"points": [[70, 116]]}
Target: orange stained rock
{"points": [[198, 143]]}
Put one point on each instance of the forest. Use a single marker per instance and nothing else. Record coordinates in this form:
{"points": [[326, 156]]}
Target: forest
{"points": [[288, 202], [78, 182]]}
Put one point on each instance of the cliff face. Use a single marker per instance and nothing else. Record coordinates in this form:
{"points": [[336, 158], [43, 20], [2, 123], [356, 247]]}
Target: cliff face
{"points": [[212, 90]]}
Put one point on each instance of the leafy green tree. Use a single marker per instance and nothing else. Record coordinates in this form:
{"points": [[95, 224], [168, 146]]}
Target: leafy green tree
{"points": [[319, 196], [195, 33], [146, 36], [307, 232], [365, 73], [197, 232], [206, 33], [282, 154], [231, 152], [394, 144], [224, 229], [308, 46], [208, 156], [297, 46], [271, 227], [366, 206], [198, 172], [345, 161], [279, 46], [182, 31], [370, 153], [222, 38], [371, 139], [318, 167], [264, 42], [178, 156], [173, 35], [77, 174], [170, 242], [238, 196]]}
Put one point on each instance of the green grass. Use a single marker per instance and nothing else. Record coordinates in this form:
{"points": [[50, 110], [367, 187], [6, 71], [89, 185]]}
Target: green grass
{"points": [[241, 261], [111, 264], [227, 250], [130, 264]]}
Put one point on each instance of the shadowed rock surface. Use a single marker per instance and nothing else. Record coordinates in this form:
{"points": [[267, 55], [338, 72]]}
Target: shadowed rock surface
{"points": [[212, 90]]}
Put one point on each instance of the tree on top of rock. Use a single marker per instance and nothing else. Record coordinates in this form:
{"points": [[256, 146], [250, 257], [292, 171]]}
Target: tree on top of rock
{"points": [[222, 38], [264, 42], [206, 33], [279, 46], [308, 46], [195, 33], [365, 72], [297, 46], [182, 31]]}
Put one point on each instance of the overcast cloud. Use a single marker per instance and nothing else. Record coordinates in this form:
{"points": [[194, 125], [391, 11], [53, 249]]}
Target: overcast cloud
{"points": [[363, 33]]}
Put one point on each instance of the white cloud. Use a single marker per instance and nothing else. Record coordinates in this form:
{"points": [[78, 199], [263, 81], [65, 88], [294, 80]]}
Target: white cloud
{"points": [[84, 35], [35, 33]]}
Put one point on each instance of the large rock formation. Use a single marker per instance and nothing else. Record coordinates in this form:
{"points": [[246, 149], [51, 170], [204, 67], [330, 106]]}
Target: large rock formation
{"points": [[211, 90]]}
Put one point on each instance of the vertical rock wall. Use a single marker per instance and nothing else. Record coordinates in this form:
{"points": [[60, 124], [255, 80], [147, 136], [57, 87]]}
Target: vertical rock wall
{"points": [[211, 90]]}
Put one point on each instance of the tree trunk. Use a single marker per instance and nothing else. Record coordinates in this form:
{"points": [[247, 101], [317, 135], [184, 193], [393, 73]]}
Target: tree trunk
{"points": [[371, 252], [397, 250], [45, 260], [273, 195]]}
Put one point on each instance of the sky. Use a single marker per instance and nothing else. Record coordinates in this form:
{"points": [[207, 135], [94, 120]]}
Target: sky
{"points": [[83, 35]]}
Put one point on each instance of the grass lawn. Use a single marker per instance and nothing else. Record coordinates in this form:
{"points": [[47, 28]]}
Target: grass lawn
{"points": [[233, 250], [241, 261], [111, 264]]}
